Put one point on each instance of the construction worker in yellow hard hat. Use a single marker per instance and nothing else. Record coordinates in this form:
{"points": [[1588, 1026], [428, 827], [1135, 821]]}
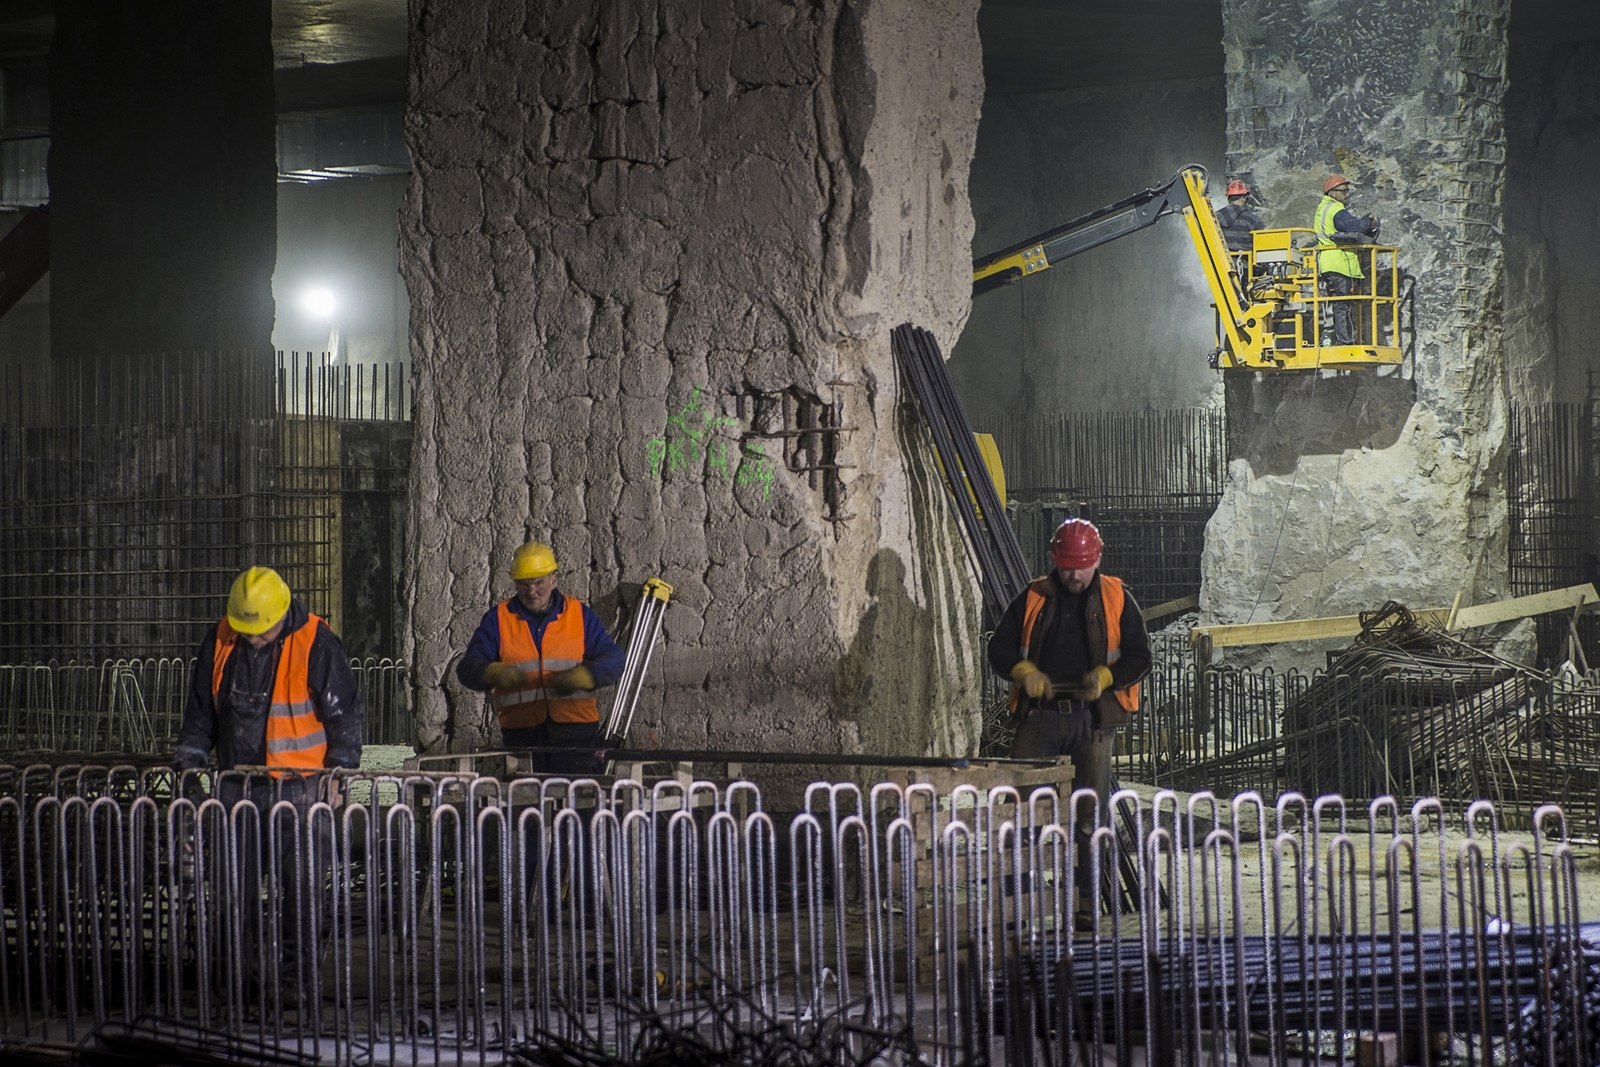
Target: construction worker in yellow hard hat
{"points": [[541, 655], [1338, 229], [272, 687]]}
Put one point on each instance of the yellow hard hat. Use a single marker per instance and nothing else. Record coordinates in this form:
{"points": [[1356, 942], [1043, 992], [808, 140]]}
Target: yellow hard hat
{"points": [[258, 600], [533, 560]]}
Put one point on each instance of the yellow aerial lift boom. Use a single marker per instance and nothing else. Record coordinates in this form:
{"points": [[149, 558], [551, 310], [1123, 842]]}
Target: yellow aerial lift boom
{"points": [[1271, 312]]}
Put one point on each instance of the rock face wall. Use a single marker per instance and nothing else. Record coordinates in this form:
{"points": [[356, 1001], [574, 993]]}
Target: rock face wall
{"points": [[1125, 326], [647, 244], [1402, 497], [1552, 229], [163, 177]]}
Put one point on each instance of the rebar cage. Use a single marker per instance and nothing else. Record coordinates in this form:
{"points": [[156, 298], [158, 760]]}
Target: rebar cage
{"points": [[427, 918]]}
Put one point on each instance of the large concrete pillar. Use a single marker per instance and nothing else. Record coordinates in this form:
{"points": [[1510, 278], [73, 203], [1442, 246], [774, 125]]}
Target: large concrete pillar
{"points": [[1346, 492], [647, 244], [163, 177]]}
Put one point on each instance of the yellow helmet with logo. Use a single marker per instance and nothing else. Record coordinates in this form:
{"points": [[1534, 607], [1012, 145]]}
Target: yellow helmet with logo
{"points": [[258, 600], [533, 560]]}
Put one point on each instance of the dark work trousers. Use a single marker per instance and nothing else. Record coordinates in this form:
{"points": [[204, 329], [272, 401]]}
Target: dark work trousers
{"points": [[579, 735], [1067, 729], [1344, 311], [288, 867]]}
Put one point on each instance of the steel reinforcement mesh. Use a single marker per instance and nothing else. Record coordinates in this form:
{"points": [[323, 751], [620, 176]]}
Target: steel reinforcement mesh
{"points": [[131, 493], [383, 919]]}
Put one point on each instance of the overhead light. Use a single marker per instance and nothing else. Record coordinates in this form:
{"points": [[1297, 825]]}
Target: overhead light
{"points": [[318, 302]]}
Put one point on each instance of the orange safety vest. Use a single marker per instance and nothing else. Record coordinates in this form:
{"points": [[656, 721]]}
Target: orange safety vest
{"points": [[295, 737], [1112, 598], [560, 648]]}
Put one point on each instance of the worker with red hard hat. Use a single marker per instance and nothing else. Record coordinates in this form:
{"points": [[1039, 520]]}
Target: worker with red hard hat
{"points": [[1074, 646], [1237, 220]]}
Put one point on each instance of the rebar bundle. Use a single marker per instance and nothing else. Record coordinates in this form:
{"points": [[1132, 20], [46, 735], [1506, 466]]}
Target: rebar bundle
{"points": [[428, 917], [991, 542]]}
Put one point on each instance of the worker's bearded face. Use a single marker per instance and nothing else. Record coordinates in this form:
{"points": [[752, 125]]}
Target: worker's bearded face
{"points": [[1076, 580], [265, 638], [534, 593]]}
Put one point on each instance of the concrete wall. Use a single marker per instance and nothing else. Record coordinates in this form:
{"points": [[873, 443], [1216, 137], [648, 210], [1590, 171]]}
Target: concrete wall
{"points": [[1121, 327], [343, 236], [624, 216], [25, 329], [1406, 100], [162, 177], [1552, 316]]}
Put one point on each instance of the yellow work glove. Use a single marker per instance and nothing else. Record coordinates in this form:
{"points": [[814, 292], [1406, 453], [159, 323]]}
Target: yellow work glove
{"points": [[1035, 683], [503, 676], [1094, 683], [572, 679]]}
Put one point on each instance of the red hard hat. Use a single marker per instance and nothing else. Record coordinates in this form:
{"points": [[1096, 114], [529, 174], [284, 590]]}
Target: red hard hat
{"points": [[1076, 545], [1238, 188], [1333, 181]]}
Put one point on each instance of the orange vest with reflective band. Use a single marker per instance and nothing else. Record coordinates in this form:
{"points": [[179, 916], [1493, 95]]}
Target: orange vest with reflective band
{"points": [[1112, 598], [560, 648], [295, 737]]}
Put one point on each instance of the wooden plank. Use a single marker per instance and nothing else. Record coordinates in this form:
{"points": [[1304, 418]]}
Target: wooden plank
{"points": [[1524, 606], [1171, 607], [1271, 633]]}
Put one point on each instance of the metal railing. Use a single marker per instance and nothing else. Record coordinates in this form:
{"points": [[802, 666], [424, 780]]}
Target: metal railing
{"points": [[445, 917], [136, 705]]}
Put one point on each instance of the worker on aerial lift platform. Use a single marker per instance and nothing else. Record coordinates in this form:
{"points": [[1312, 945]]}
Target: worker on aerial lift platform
{"points": [[1073, 623], [542, 654], [1237, 220], [1338, 228]]}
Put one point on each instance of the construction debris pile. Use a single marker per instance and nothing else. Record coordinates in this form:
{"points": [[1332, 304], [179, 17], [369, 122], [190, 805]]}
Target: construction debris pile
{"points": [[1409, 709]]}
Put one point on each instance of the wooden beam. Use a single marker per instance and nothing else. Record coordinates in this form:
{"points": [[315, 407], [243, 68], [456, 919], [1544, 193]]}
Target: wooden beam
{"points": [[1171, 607], [1272, 633]]}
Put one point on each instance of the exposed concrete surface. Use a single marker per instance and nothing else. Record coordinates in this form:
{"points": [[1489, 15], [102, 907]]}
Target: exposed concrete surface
{"points": [[163, 177], [1552, 228], [1406, 100], [1122, 327], [622, 215]]}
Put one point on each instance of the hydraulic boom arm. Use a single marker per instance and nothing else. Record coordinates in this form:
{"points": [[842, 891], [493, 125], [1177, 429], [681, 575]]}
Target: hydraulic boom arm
{"points": [[1043, 251]]}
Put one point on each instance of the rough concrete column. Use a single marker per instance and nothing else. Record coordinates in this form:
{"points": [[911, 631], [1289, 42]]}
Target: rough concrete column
{"points": [[163, 177], [1347, 492], [623, 217]]}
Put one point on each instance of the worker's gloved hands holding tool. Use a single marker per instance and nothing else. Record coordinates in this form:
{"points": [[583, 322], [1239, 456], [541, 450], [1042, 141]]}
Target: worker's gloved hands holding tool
{"points": [[572, 679], [504, 676], [1035, 683], [1094, 683]]}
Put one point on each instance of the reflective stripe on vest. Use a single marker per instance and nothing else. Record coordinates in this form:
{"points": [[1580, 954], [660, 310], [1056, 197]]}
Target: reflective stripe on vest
{"points": [[1334, 260], [560, 648], [295, 737], [1112, 597]]}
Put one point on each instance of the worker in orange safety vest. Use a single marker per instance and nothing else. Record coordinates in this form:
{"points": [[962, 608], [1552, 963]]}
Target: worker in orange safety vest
{"points": [[1074, 646], [541, 655]]}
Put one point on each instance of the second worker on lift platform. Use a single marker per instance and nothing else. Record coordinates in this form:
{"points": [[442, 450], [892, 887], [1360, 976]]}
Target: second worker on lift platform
{"points": [[1341, 268], [1074, 646]]}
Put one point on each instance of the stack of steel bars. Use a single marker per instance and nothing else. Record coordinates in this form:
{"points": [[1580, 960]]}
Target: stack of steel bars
{"points": [[653, 601], [991, 542]]}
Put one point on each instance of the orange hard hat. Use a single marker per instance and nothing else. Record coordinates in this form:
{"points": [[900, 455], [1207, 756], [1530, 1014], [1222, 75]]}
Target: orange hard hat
{"points": [[1333, 181], [1076, 545], [1238, 188]]}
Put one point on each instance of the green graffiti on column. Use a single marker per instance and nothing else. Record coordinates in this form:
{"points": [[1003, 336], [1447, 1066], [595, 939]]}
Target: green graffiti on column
{"points": [[693, 438]]}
